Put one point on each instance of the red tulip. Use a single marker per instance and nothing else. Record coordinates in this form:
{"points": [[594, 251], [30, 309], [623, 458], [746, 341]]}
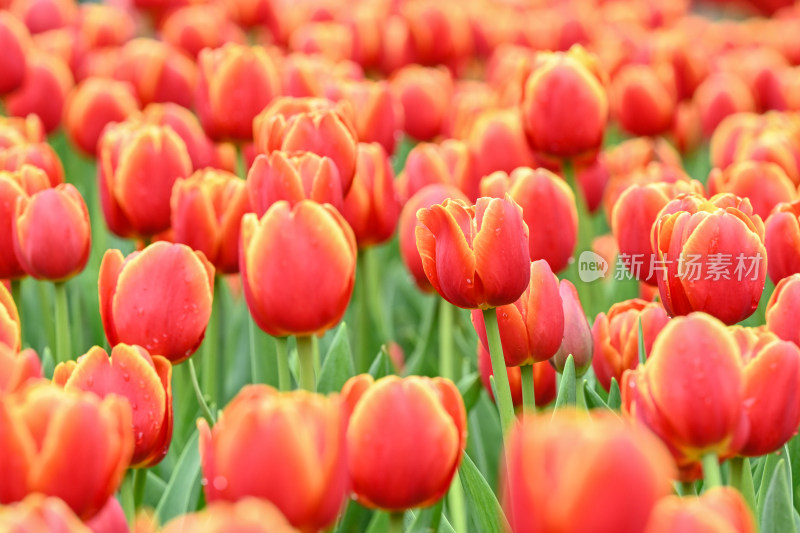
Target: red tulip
{"points": [[764, 184], [14, 185], [544, 379], [252, 515], [102, 25], [43, 91], [157, 71], [577, 340], [424, 93], [498, 142], [440, 33], [17, 370], [450, 162], [194, 27], [38, 514], [718, 509], [40, 155], [46, 15], [15, 41], [782, 309], [159, 298], [21, 130], [643, 98], [10, 327], [782, 240], [719, 96], [330, 39]]}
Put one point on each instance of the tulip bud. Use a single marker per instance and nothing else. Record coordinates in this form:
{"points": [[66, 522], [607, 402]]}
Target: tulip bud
{"points": [[14, 185], [144, 381], [450, 162], [260, 447], [782, 309], [577, 340], [330, 39], [249, 514], [249, 74], [544, 379], [207, 211], [475, 256], [91, 105], [10, 327], [712, 253], [298, 267], [774, 146], [195, 27], [51, 232], [72, 445], [616, 337], [46, 15], [38, 513], [43, 91], [372, 206], [16, 44], [764, 184], [138, 164], [310, 125], [202, 151], [159, 298], [548, 206], [498, 142], [40, 155], [425, 94], [782, 240], [557, 474], [719, 96], [17, 370], [21, 130], [421, 425], [532, 328], [440, 33], [703, 415], [717, 509], [564, 108], [102, 25], [157, 71], [407, 224], [652, 172], [292, 178], [643, 98]]}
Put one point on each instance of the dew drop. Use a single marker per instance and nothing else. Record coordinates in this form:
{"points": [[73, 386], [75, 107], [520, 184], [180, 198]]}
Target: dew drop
{"points": [[220, 483], [126, 376]]}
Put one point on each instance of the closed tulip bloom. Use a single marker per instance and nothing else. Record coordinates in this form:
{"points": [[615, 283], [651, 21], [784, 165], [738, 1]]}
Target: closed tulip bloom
{"points": [[372, 206], [51, 232], [331, 39], [43, 91], [46, 15], [577, 340], [632, 219], [532, 328], [548, 208], [195, 27], [650, 172], [159, 298], [498, 142], [14, 185], [544, 379], [110, 519], [440, 33], [724, 241], [298, 267], [310, 125], [782, 240], [718, 509], [783, 308], [15, 40], [235, 83], [104, 25], [771, 383], [251, 515], [286, 448], [451, 162], [564, 107], [17, 370], [643, 98], [777, 146], [39, 514], [705, 414], [292, 178], [719, 96], [764, 184], [426, 197], [40, 155], [10, 327], [475, 257], [21, 130], [425, 94], [93, 104], [138, 165], [421, 425], [157, 71], [616, 337], [68, 444], [145, 381], [573, 473]]}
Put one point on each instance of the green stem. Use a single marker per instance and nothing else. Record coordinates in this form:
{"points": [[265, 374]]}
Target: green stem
{"points": [[139, 483], [585, 230], [254, 375], [374, 293], [396, 522], [362, 358], [46, 314], [742, 479], [504, 403], [305, 355], [455, 503], [711, 471], [528, 390], [127, 497], [241, 162], [210, 355], [580, 396], [16, 294], [209, 416], [687, 489], [63, 342], [221, 332], [282, 353], [446, 356]]}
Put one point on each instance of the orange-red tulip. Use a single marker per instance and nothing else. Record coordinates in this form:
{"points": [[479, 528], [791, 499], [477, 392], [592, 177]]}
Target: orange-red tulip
{"points": [[422, 427], [407, 224], [440, 32], [43, 91], [643, 98], [764, 184], [544, 379], [157, 71], [24, 182], [713, 256], [577, 340], [145, 381], [51, 232], [425, 95], [287, 448], [372, 206], [573, 473], [15, 41], [498, 142], [40, 155], [292, 178], [110, 519], [330, 39], [138, 164], [310, 125], [235, 83], [105, 25], [703, 415], [93, 104], [476, 257], [532, 328], [616, 337], [195, 27], [782, 240], [783, 308], [159, 298], [17, 370], [207, 211], [10, 327], [716, 510], [548, 208], [719, 96], [45, 15], [68, 444], [298, 267], [40, 514], [20, 130], [564, 107], [450, 162], [251, 515]]}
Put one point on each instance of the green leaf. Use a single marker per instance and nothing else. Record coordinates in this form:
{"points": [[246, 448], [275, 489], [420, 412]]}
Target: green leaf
{"points": [[337, 367], [614, 396], [642, 351], [470, 387], [777, 514], [427, 520], [566, 389], [482, 503], [356, 518], [381, 366], [379, 523], [593, 400], [770, 462], [182, 487]]}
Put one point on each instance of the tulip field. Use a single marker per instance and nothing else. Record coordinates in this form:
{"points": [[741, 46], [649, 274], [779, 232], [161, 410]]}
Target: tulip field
{"points": [[402, 266]]}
